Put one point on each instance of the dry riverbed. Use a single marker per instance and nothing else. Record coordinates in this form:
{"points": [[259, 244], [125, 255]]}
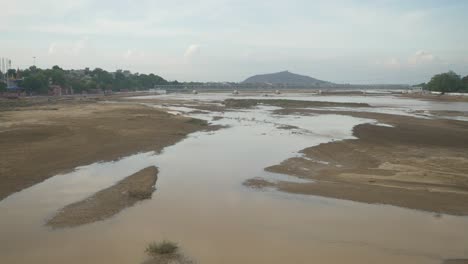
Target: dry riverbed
{"points": [[40, 140], [414, 163]]}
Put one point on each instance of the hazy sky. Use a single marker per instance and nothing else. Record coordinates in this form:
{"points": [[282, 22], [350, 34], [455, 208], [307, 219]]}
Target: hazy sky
{"points": [[364, 41]]}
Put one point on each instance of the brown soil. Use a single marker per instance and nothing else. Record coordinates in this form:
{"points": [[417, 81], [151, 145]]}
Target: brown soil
{"points": [[418, 163], [108, 202], [38, 141]]}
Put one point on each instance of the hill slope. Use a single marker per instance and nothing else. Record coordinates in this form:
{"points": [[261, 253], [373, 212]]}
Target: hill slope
{"points": [[285, 77]]}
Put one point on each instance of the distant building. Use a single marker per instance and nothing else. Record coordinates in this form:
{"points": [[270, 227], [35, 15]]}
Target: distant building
{"points": [[13, 82], [57, 90]]}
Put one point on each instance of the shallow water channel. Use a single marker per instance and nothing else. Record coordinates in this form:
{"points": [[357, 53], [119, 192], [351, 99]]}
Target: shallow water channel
{"points": [[200, 202]]}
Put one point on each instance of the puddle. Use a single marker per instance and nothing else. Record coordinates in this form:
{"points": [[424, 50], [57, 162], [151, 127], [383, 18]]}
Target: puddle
{"points": [[200, 202]]}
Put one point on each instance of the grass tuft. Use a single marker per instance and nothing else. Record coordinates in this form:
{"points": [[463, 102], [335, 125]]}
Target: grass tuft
{"points": [[162, 248]]}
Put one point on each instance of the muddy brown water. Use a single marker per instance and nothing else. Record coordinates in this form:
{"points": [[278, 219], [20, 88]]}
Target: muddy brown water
{"points": [[200, 202]]}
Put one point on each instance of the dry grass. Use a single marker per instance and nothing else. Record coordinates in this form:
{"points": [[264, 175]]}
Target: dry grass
{"points": [[165, 252], [162, 248]]}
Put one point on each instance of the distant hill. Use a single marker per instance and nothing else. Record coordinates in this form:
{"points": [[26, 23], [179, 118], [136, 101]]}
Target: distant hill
{"points": [[286, 77]]}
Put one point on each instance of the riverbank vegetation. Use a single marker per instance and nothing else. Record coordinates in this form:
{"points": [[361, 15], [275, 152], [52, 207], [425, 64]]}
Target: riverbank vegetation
{"points": [[166, 252], [161, 248], [37, 81], [448, 82]]}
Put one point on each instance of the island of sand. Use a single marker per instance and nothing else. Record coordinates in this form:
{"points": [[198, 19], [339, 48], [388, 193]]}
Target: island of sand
{"points": [[109, 201]]}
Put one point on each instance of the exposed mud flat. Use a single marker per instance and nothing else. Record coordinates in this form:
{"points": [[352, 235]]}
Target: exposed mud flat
{"points": [[437, 97], [37, 143], [246, 103], [202, 205], [417, 163], [108, 202]]}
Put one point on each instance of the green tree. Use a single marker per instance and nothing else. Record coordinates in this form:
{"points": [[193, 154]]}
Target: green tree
{"points": [[465, 83], [37, 80], [120, 81], [102, 78], [445, 82], [36, 83], [58, 77], [77, 85], [91, 84], [11, 73], [3, 87], [56, 67]]}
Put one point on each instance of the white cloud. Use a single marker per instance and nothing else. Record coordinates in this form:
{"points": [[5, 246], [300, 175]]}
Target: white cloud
{"points": [[192, 50], [133, 54], [421, 57], [79, 45], [390, 63], [52, 48], [67, 47], [128, 54]]}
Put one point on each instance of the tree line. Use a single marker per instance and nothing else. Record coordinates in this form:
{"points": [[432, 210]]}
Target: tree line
{"points": [[37, 81], [448, 82]]}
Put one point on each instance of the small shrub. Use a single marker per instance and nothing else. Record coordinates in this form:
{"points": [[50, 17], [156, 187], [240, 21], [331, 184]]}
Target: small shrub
{"points": [[162, 248]]}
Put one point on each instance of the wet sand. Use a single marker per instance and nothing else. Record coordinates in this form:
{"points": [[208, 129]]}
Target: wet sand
{"points": [[418, 163], [245, 103], [108, 202], [437, 97], [39, 141]]}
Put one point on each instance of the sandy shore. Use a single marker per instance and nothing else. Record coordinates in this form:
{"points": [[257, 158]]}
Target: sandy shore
{"points": [[418, 163], [40, 139], [108, 202], [437, 97]]}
